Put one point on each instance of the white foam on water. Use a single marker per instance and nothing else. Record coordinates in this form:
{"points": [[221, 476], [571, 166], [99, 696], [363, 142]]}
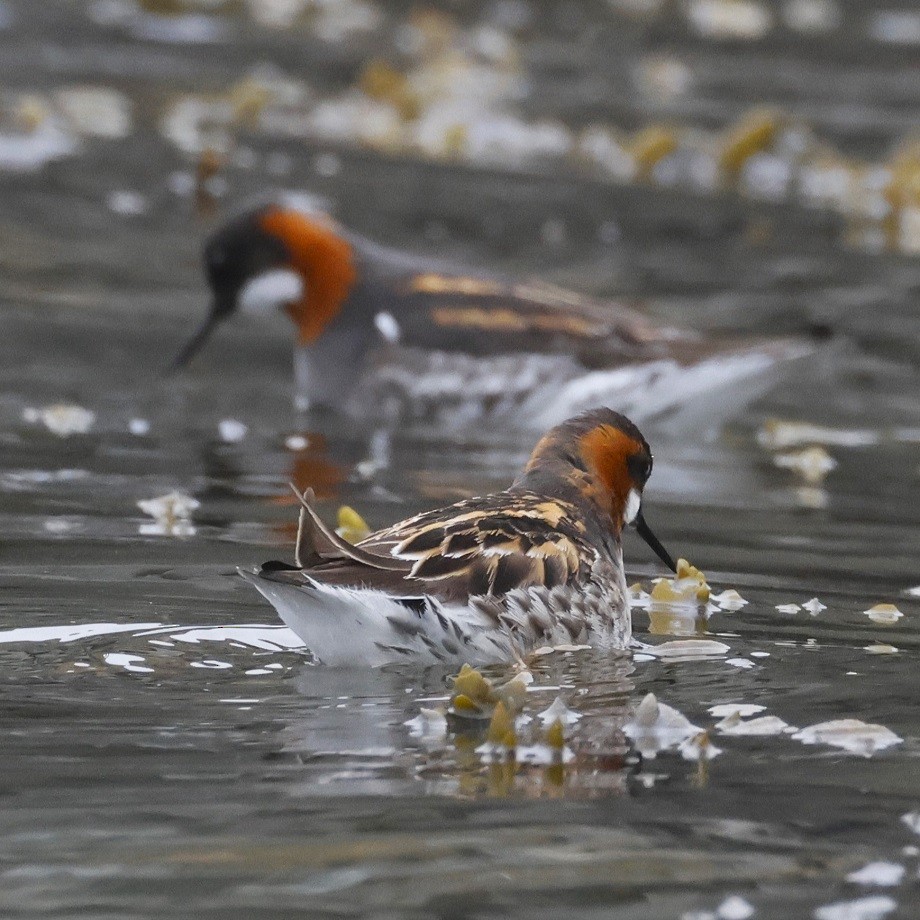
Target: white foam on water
{"points": [[70, 633], [871, 908], [267, 638]]}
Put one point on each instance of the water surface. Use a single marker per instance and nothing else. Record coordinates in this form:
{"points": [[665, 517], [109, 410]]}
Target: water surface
{"points": [[170, 750]]}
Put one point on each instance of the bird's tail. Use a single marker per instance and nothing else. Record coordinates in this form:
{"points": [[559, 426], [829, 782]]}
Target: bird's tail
{"points": [[346, 626]]}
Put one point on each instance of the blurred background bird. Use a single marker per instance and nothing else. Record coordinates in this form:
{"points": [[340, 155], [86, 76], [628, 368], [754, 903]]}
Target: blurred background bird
{"points": [[386, 334]]}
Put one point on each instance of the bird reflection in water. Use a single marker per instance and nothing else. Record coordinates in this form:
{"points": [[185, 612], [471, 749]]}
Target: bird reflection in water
{"points": [[311, 467]]}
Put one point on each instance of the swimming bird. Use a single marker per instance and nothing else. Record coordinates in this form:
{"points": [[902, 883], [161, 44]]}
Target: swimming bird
{"points": [[384, 334], [486, 579]]}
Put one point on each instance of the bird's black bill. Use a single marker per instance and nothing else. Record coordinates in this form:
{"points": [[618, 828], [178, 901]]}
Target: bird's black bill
{"points": [[194, 345], [645, 532]]}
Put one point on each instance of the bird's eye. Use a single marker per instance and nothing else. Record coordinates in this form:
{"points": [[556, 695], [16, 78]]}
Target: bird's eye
{"points": [[640, 468]]}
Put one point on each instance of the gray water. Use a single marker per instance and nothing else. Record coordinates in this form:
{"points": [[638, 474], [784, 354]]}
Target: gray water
{"points": [[169, 751]]}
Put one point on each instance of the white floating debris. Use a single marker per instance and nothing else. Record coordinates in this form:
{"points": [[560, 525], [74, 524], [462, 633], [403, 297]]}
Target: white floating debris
{"points": [[729, 19], [657, 727], [35, 138], [881, 874], [812, 497], [729, 600], [429, 725], [851, 735], [699, 747], [172, 513], [388, 327], [139, 427], [779, 434], [880, 648], [601, 146], [812, 464], [762, 726], [545, 650], [814, 606], [742, 710], [127, 203], [95, 111], [171, 505], [742, 663], [872, 908], [505, 139], [788, 608], [766, 176], [327, 165], [296, 442], [181, 183], [912, 820], [543, 755], [735, 908], [663, 76], [688, 649], [59, 525], [212, 664], [895, 27], [638, 596], [118, 659], [553, 231], [886, 614], [232, 431], [558, 712], [61, 419], [812, 17]]}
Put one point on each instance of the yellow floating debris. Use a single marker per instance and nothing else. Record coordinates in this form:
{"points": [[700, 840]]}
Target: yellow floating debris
{"points": [[384, 83], [650, 145], [248, 98], [352, 527], [689, 586], [754, 133], [555, 735], [462, 703], [472, 684], [903, 197], [513, 694], [501, 728]]}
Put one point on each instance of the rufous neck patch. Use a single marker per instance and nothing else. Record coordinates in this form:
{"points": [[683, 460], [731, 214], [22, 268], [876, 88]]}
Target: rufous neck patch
{"points": [[326, 262], [606, 451]]}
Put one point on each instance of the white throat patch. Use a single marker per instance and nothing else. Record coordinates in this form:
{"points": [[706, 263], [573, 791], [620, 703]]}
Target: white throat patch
{"points": [[270, 290], [633, 504]]}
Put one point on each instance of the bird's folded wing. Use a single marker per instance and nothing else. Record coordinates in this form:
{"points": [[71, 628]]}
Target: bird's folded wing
{"points": [[452, 553]]}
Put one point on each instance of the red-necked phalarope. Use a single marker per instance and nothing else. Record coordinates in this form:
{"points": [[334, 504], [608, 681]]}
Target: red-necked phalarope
{"points": [[486, 579], [381, 333]]}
